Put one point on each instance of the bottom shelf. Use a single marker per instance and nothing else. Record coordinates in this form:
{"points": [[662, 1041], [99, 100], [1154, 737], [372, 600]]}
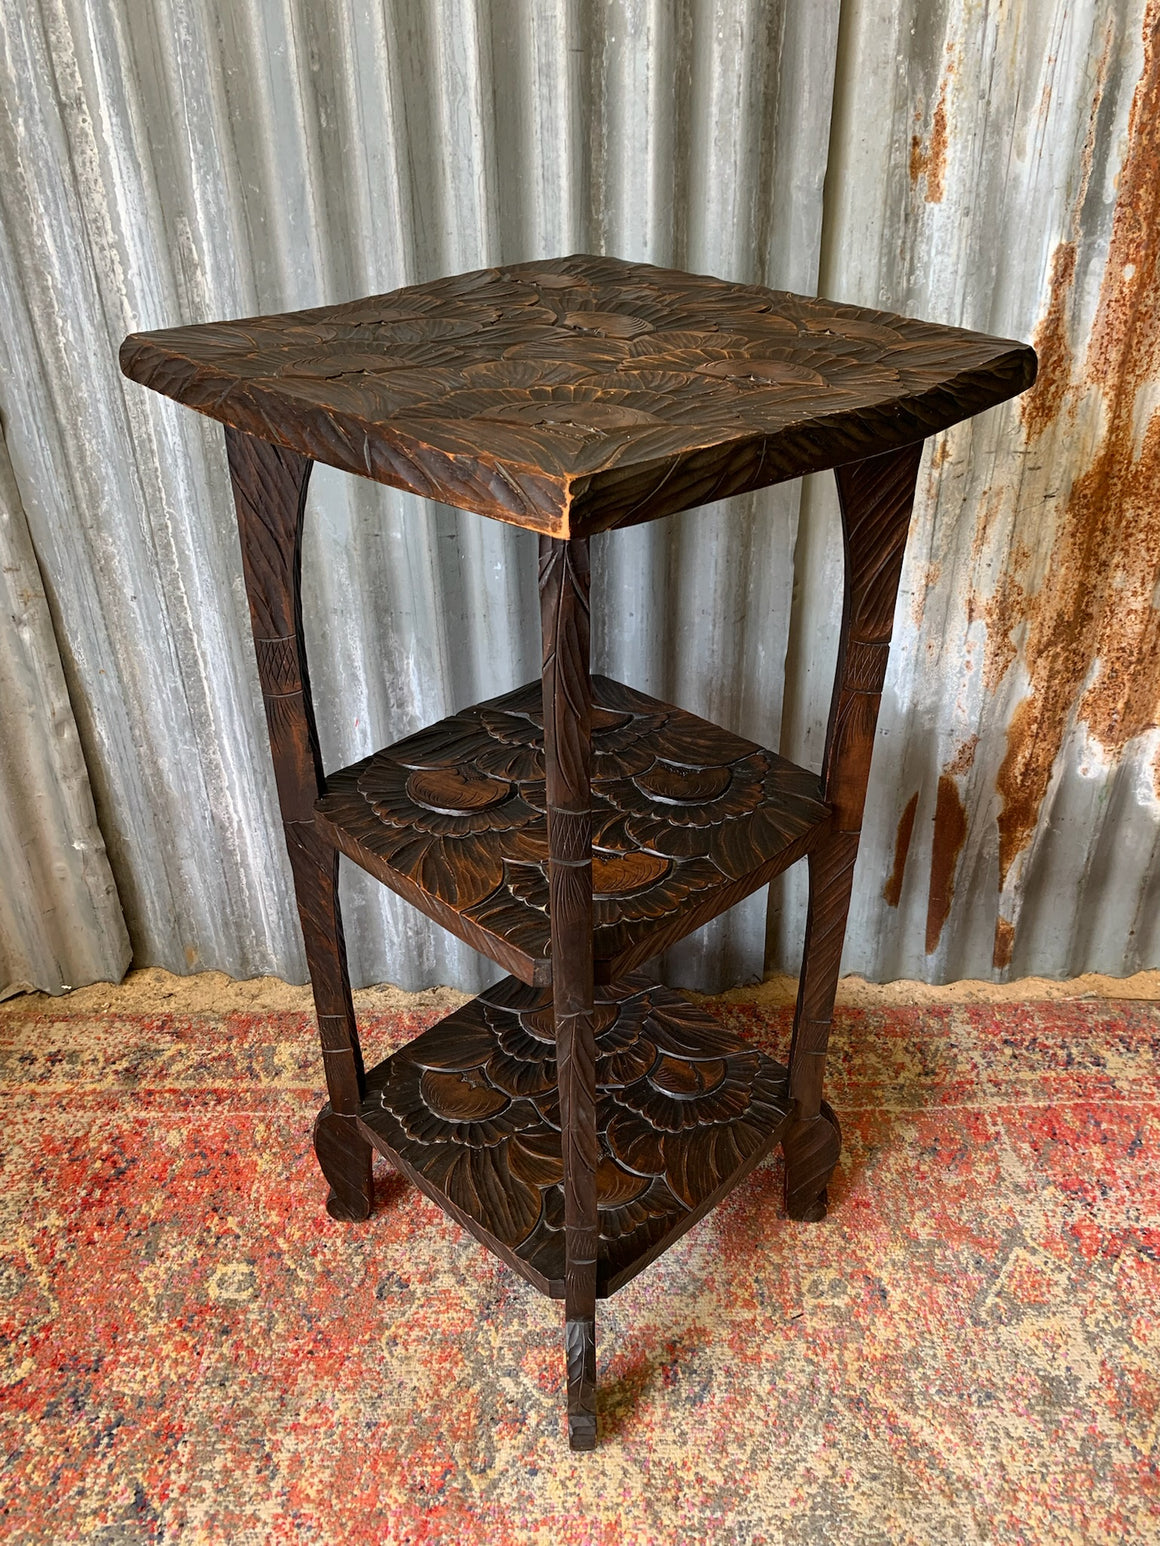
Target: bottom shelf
{"points": [[470, 1112]]}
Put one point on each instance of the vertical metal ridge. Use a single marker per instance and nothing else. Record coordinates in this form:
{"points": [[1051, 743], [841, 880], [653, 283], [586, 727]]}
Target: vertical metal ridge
{"points": [[193, 161]]}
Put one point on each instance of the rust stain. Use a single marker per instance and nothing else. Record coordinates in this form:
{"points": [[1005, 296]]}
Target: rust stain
{"points": [[960, 763], [928, 578], [1004, 944], [1005, 608], [1095, 609], [929, 161], [1045, 95], [1040, 406], [941, 453], [1005, 611], [917, 153], [892, 890], [950, 833], [1002, 612], [990, 506]]}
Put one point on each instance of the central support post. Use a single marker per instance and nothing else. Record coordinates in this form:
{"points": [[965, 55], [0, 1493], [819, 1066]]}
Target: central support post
{"points": [[567, 701]]}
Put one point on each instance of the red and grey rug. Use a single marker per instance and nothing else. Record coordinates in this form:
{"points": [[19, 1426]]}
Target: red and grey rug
{"points": [[968, 1350]]}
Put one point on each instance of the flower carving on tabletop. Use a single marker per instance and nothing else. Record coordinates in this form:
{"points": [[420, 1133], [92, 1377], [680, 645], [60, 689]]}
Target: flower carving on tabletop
{"points": [[443, 827], [473, 1104], [621, 736], [569, 366]]}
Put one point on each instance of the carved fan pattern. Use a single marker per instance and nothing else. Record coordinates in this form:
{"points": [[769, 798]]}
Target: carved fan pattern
{"points": [[684, 812], [531, 392], [471, 1109]]}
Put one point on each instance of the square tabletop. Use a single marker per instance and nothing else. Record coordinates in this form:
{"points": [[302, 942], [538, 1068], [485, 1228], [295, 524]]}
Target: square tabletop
{"points": [[581, 393]]}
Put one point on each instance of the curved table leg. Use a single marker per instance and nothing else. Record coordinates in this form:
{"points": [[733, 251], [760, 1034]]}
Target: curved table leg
{"points": [[269, 486], [876, 496]]}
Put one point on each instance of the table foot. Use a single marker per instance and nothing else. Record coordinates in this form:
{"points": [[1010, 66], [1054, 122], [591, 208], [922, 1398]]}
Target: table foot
{"points": [[811, 1149], [580, 1346], [345, 1158]]}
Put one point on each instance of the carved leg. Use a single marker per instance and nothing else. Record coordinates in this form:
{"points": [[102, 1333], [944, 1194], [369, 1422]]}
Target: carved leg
{"points": [[270, 498], [812, 1145], [876, 496], [564, 587], [344, 1157]]}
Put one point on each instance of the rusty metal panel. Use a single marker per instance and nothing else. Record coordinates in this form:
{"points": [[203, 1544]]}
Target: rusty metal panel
{"points": [[999, 167], [188, 159], [990, 165]]}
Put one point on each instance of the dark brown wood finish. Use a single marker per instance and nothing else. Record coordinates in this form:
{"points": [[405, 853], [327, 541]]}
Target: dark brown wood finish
{"points": [[687, 819], [471, 1112], [269, 486], [582, 393], [579, 1120], [567, 700], [876, 497]]}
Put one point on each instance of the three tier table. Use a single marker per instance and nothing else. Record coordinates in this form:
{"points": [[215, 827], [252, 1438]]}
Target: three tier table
{"points": [[577, 1117]]}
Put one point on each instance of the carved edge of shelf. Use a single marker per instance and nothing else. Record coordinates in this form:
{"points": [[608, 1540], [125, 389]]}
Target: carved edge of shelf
{"points": [[537, 970], [631, 494], [534, 970], [584, 505], [655, 940], [618, 1280], [553, 1288]]}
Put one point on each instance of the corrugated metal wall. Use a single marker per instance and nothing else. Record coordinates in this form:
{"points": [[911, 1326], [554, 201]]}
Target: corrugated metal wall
{"points": [[185, 159], [1023, 197]]}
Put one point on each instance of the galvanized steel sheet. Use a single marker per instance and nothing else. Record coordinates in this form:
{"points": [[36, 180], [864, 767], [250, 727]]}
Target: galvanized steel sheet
{"points": [[990, 166]]}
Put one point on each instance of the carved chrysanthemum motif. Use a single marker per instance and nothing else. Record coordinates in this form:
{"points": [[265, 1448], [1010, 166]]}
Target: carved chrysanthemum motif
{"points": [[682, 1106], [680, 808], [576, 353], [526, 391]]}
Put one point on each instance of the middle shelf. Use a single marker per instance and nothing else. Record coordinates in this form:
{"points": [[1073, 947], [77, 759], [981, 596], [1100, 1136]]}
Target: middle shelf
{"points": [[688, 819]]}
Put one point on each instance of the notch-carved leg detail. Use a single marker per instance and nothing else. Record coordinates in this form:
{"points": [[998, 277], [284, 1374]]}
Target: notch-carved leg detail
{"points": [[269, 486], [344, 1157], [580, 1348], [812, 1145], [811, 1150], [876, 497]]}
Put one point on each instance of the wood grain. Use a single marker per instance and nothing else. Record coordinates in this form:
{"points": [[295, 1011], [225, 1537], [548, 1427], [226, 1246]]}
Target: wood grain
{"points": [[575, 828], [576, 394], [876, 498], [471, 1112], [687, 819], [567, 714], [269, 486]]}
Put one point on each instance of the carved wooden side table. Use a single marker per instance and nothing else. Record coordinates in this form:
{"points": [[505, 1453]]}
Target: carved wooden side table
{"points": [[577, 1118]]}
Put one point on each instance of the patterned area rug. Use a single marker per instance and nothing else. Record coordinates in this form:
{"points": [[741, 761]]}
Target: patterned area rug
{"points": [[966, 1351]]}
